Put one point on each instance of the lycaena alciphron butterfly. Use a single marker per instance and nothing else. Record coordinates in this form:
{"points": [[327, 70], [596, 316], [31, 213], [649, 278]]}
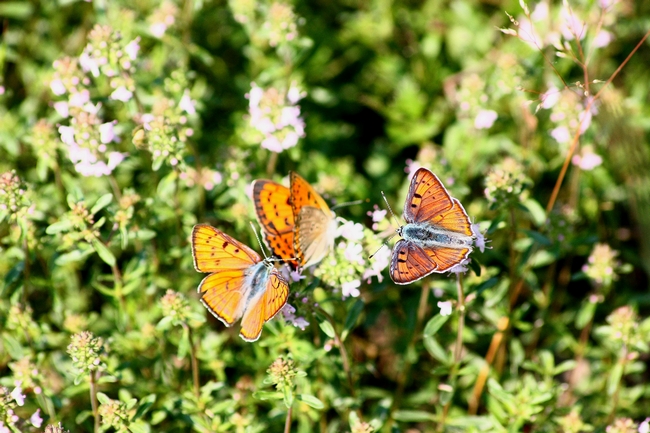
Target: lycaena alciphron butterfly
{"points": [[275, 215], [296, 221], [437, 235], [240, 283]]}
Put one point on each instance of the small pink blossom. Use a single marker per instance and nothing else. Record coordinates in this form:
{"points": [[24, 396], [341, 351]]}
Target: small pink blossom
{"points": [[378, 215], [561, 134], [114, 159], [158, 29], [351, 231], [121, 94], [587, 160], [461, 267], [18, 396], [186, 104], [445, 308], [132, 48], [62, 108], [78, 99], [89, 64], [67, 135], [289, 314], [480, 241], [485, 119], [378, 263], [353, 253], [57, 87], [550, 97], [36, 419], [107, 132], [571, 27], [602, 39], [351, 288]]}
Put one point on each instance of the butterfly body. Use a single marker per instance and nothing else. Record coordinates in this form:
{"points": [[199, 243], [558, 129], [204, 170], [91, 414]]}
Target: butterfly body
{"points": [[240, 284], [437, 235]]}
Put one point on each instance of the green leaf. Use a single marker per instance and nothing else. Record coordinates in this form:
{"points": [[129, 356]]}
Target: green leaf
{"points": [[536, 211], [139, 426], [435, 349], [18, 10], [73, 256], [537, 237], [585, 314], [103, 398], [58, 227], [83, 416], [434, 324], [615, 375], [104, 253], [414, 416], [101, 203], [310, 401], [352, 317], [268, 395], [327, 328], [184, 344], [158, 416]]}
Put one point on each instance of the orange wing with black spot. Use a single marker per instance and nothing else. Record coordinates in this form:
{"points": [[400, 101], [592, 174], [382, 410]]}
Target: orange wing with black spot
{"points": [[275, 215], [315, 223]]}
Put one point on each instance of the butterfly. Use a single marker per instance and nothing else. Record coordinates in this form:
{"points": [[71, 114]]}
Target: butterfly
{"points": [[296, 221], [240, 284], [437, 235]]}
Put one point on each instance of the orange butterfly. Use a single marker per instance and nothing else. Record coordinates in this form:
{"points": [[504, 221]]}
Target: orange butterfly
{"points": [[296, 221], [240, 283], [437, 235]]}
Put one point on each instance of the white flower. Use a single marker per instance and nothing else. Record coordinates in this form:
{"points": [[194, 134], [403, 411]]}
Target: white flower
{"points": [[571, 27], [57, 87], [353, 253], [106, 132], [485, 119], [186, 104], [445, 308], [378, 215], [350, 231], [62, 108], [121, 94], [479, 242], [378, 263], [550, 97], [132, 48], [88, 64], [644, 427], [289, 314], [36, 419], [67, 135], [351, 288], [158, 29], [78, 99], [17, 394], [561, 134]]}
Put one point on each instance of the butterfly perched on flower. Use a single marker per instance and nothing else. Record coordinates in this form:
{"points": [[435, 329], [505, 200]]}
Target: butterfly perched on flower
{"points": [[296, 221], [240, 284], [437, 235]]}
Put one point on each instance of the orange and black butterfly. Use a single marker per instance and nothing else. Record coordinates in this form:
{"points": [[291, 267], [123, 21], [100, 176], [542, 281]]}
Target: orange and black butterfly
{"points": [[296, 221], [240, 284], [437, 235]]}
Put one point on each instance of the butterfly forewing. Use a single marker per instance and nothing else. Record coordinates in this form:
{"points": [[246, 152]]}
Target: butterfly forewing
{"points": [[265, 307], [315, 223], [275, 215], [214, 250], [427, 197]]}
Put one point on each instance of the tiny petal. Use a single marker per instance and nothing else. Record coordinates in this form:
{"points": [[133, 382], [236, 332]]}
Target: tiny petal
{"points": [[67, 135], [186, 104], [158, 29], [132, 48], [36, 419], [106, 132], [121, 94], [485, 119], [445, 308], [62, 108], [57, 87], [18, 396]]}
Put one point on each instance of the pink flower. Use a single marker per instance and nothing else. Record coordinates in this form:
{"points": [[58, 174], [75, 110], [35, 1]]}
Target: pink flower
{"points": [[480, 241], [445, 308], [378, 263], [571, 27], [158, 29], [62, 108], [106, 132], [353, 252], [132, 48], [351, 288], [17, 394], [288, 312], [588, 160], [88, 64], [186, 104], [121, 94], [602, 39], [36, 419], [351, 231], [378, 215], [550, 97], [67, 135], [57, 87], [485, 119], [561, 134], [78, 99], [114, 159]]}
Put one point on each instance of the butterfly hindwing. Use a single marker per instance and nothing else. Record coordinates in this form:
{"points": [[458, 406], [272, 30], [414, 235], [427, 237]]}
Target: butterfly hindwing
{"points": [[221, 293], [409, 263], [275, 215], [446, 258], [265, 306]]}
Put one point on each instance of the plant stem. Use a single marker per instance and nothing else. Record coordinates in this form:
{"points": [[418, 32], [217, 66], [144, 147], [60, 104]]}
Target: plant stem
{"points": [[623, 361], [195, 363], [93, 399], [344, 354], [458, 348], [117, 276], [287, 422]]}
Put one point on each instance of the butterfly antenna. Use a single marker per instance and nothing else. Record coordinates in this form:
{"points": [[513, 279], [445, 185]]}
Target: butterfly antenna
{"points": [[384, 244], [259, 241], [350, 203], [390, 209]]}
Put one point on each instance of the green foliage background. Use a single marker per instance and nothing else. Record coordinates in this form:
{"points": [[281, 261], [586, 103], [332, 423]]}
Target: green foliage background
{"points": [[553, 322]]}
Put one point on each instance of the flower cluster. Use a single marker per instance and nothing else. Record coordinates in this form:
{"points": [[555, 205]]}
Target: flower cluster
{"points": [[27, 375], [175, 306], [8, 402], [55, 428], [506, 182], [348, 265], [274, 116], [126, 209], [587, 159], [280, 25], [570, 112], [622, 425], [87, 352], [601, 265], [282, 373], [471, 100], [14, 197], [205, 177], [165, 131], [44, 141], [115, 414], [163, 18], [289, 314], [624, 325], [20, 321]]}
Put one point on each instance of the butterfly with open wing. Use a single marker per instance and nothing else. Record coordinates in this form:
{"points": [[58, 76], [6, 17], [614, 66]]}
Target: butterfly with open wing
{"points": [[240, 284], [296, 221], [437, 235]]}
